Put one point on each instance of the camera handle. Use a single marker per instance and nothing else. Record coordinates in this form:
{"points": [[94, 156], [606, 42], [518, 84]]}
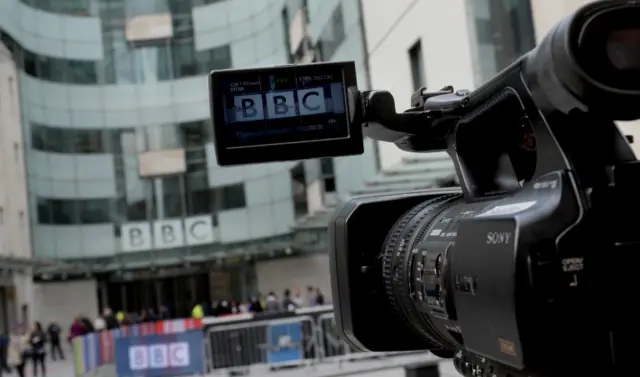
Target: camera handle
{"points": [[422, 128]]}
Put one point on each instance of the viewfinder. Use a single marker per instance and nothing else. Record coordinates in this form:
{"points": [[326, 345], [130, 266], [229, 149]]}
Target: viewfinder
{"points": [[285, 113]]}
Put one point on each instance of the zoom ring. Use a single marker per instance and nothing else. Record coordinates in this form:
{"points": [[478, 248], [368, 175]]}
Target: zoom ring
{"points": [[394, 267]]}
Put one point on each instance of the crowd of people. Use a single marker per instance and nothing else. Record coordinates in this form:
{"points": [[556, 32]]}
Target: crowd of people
{"points": [[260, 303], [23, 346]]}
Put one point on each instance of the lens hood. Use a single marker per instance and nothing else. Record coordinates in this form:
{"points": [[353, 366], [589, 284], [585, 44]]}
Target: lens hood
{"points": [[573, 67]]}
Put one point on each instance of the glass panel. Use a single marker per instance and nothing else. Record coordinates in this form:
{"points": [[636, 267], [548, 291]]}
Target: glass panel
{"points": [[38, 137], [196, 134], [184, 60], [95, 211], [88, 141], [72, 7], [199, 195], [503, 30], [44, 211], [164, 136], [172, 197], [216, 58], [232, 196], [64, 212], [81, 72], [333, 35]]}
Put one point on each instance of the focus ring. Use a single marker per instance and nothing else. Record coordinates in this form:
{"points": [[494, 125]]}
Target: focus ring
{"points": [[394, 269]]}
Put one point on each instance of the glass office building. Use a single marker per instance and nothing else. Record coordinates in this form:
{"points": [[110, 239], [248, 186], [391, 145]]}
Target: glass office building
{"points": [[122, 179]]}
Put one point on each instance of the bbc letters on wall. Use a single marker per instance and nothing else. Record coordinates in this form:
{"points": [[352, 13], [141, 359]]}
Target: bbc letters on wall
{"points": [[167, 234], [280, 104]]}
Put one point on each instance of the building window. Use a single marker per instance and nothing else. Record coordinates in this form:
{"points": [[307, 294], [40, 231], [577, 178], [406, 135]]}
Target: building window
{"points": [[333, 35], [64, 212], [198, 194], [192, 136], [299, 190], [503, 30], [215, 58], [70, 7], [125, 63], [196, 134], [328, 174], [286, 23], [74, 211], [67, 140], [416, 63], [94, 211], [230, 197]]}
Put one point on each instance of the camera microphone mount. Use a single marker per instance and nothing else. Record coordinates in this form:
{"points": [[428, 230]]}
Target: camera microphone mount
{"points": [[424, 127]]}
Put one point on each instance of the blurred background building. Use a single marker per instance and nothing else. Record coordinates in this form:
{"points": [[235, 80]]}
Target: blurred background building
{"points": [[16, 256], [124, 191]]}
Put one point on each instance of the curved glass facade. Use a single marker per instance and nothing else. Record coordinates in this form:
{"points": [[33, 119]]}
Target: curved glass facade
{"points": [[109, 86]]}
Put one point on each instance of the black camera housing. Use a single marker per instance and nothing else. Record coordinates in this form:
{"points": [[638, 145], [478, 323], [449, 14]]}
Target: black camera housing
{"points": [[528, 268], [536, 235]]}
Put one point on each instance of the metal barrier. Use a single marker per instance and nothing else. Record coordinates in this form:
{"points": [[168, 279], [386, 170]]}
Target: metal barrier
{"points": [[275, 343], [331, 346], [299, 340], [240, 343]]}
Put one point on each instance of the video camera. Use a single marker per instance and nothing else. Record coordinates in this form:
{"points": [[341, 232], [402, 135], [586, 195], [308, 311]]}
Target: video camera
{"points": [[528, 268]]}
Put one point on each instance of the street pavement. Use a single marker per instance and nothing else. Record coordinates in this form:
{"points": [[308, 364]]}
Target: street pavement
{"points": [[384, 367], [60, 368]]}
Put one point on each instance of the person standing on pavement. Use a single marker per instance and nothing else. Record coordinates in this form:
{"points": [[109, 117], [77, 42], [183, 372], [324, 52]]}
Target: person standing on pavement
{"points": [[54, 330], [18, 350], [4, 354], [38, 340], [110, 319]]}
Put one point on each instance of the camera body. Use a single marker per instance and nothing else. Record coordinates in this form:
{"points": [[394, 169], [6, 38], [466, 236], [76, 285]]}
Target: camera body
{"points": [[527, 268]]}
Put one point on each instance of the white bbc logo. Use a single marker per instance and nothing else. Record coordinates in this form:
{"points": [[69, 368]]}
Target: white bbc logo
{"points": [[248, 107], [311, 101], [280, 105], [158, 356]]}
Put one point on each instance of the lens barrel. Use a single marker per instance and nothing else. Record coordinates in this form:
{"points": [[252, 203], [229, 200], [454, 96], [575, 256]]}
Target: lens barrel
{"points": [[403, 263], [590, 61]]}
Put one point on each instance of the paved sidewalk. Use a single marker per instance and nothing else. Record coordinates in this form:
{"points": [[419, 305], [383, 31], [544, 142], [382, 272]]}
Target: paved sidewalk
{"points": [[388, 367], [60, 368]]}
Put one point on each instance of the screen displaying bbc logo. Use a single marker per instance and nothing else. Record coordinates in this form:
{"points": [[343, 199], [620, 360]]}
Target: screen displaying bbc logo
{"points": [[159, 356], [279, 104]]}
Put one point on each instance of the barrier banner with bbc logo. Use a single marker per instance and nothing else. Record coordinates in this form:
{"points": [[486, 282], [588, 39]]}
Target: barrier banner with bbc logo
{"points": [[285, 343], [168, 355]]}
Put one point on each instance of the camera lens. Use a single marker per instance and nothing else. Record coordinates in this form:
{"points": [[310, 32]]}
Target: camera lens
{"points": [[607, 47], [414, 273]]}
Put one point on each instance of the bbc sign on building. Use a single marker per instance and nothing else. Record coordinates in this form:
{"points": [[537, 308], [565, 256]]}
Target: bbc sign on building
{"points": [[167, 234]]}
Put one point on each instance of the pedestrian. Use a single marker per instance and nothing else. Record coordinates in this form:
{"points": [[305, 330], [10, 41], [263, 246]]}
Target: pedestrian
{"points": [[288, 304], [272, 302], [110, 319], [19, 348], [54, 331], [38, 339], [319, 297], [77, 329], [311, 296], [4, 354]]}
